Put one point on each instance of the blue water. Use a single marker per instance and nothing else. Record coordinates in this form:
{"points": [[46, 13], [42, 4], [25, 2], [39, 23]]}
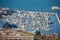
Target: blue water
{"points": [[39, 5], [33, 5]]}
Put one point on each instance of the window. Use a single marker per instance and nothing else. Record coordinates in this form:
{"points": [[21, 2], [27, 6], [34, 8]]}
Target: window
{"points": [[15, 39], [20, 39], [10, 39], [6, 39]]}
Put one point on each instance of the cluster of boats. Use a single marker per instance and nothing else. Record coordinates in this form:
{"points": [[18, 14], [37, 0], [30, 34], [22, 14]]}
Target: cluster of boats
{"points": [[25, 20]]}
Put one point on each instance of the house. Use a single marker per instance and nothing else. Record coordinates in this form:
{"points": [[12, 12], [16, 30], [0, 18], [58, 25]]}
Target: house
{"points": [[9, 34]]}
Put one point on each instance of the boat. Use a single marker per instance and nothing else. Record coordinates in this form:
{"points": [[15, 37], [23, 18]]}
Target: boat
{"points": [[50, 22]]}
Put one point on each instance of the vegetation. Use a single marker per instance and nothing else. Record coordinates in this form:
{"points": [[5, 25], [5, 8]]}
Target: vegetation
{"points": [[37, 35]]}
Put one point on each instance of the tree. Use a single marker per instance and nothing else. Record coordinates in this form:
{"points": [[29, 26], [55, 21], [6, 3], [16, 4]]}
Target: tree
{"points": [[37, 35]]}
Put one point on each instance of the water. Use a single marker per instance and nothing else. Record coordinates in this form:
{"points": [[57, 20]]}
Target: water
{"points": [[33, 5], [39, 5]]}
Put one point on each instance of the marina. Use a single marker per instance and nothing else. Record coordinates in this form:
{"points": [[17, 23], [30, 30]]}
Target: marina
{"points": [[28, 22]]}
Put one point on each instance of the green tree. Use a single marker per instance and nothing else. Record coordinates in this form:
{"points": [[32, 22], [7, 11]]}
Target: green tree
{"points": [[37, 35]]}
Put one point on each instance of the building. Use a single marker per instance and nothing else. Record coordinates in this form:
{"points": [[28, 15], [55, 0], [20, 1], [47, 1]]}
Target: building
{"points": [[50, 37], [9, 34]]}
